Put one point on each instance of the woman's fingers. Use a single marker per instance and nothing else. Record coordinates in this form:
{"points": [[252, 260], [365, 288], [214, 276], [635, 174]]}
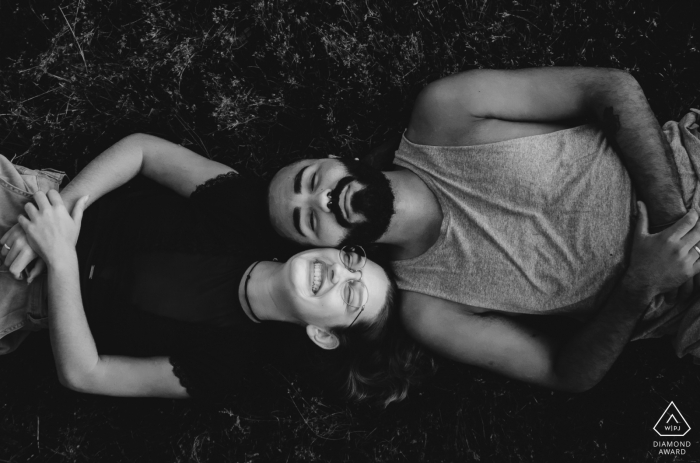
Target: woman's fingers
{"points": [[6, 237], [55, 198], [22, 260], [12, 255], [31, 210], [39, 267], [42, 202], [5, 249], [23, 222], [78, 209]]}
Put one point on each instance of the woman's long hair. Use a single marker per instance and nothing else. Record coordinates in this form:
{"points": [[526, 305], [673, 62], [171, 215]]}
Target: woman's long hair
{"points": [[379, 361]]}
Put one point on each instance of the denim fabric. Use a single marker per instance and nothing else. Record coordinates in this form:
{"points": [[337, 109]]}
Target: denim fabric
{"points": [[22, 305]]}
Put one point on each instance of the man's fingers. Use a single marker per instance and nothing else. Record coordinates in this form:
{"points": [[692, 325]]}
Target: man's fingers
{"points": [[642, 220], [679, 229], [685, 290], [691, 239], [39, 266]]}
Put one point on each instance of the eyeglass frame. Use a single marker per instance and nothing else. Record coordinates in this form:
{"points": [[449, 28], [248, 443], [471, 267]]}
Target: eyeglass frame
{"points": [[352, 270]]}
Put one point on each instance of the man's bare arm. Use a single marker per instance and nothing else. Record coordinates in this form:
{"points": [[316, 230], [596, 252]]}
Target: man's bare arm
{"points": [[505, 345], [485, 106]]}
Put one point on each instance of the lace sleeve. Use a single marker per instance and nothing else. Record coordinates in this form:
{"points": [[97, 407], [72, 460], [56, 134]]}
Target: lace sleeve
{"points": [[214, 183], [181, 373]]}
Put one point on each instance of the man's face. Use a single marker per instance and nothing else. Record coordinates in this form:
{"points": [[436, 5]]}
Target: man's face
{"points": [[327, 202]]}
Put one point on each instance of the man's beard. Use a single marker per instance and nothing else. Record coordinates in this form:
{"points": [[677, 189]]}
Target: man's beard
{"points": [[375, 202]]}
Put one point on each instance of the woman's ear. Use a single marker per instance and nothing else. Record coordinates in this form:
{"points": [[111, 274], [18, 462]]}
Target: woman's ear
{"points": [[322, 338]]}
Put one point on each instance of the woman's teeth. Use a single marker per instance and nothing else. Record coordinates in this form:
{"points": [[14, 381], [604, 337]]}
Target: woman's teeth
{"points": [[317, 277]]}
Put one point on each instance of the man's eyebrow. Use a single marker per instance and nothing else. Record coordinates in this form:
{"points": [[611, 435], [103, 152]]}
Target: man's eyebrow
{"points": [[297, 220], [297, 180]]}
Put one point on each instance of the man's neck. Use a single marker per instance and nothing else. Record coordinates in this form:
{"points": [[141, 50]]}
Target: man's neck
{"points": [[415, 226]]}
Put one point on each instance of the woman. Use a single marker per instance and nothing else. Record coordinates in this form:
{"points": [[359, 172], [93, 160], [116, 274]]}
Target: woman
{"points": [[148, 292]]}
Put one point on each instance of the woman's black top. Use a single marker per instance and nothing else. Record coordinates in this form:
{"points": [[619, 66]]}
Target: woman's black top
{"points": [[160, 276]]}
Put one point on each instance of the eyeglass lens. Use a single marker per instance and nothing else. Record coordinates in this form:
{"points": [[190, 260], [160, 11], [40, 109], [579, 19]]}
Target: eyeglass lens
{"points": [[355, 293], [353, 257]]}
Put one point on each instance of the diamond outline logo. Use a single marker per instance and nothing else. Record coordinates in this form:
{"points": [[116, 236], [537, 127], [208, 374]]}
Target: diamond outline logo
{"points": [[672, 415]]}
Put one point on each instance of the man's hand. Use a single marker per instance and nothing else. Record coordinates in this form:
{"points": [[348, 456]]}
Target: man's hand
{"points": [[665, 261], [18, 254], [50, 230]]}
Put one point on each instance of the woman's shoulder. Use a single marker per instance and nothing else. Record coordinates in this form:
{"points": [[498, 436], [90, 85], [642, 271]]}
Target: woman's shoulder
{"points": [[220, 181], [231, 208]]}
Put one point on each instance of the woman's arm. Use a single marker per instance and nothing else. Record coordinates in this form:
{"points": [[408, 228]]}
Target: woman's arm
{"points": [[52, 232], [171, 165]]}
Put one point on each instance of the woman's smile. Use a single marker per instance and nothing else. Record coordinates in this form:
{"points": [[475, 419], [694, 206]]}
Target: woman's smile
{"points": [[319, 273]]}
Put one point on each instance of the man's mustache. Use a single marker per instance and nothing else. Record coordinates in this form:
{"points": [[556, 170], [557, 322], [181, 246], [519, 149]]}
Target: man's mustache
{"points": [[334, 204]]}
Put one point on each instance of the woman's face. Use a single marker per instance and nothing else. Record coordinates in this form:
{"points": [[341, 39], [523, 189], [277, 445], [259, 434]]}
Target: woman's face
{"points": [[316, 282]]}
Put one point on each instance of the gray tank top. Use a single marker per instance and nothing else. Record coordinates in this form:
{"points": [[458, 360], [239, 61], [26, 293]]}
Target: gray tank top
{"points": [[531, 225]]}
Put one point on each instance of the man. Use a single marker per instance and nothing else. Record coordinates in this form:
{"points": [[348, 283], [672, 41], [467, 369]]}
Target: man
{"points": [[498, 206]]}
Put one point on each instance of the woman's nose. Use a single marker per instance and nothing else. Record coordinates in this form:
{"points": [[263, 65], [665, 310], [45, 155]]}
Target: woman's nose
{"points": [[340, 273]]}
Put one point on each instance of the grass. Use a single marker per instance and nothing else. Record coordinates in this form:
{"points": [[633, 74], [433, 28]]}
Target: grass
{"points": [[255, 84]]}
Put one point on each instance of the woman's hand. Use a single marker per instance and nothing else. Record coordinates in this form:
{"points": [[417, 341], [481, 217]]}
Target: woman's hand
{"points": [[50, 230], [664, 261], [17, 254]]}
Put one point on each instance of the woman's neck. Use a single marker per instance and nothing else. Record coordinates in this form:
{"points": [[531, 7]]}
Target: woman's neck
{"points": [[264, 289]]}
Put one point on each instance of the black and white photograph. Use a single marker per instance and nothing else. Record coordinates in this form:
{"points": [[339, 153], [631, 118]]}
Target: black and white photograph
{"points": [[349, 231]]}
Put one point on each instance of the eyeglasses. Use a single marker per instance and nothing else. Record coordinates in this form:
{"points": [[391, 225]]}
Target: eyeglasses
{"points": [[354, 292]]}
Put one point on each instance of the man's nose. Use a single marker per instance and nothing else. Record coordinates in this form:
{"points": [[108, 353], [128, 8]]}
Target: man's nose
{"points": [[322, 200]]}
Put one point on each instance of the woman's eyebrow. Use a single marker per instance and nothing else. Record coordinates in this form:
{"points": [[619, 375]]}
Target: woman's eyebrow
{"points": [[297, 180]]}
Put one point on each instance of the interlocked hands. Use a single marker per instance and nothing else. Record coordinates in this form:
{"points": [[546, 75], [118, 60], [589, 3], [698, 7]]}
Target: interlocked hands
{"points": [[45, 235], [17, 254]]}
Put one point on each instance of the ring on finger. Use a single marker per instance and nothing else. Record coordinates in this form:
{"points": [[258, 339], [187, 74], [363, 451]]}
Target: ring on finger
{"points": [[697, 249], [8, 248]]}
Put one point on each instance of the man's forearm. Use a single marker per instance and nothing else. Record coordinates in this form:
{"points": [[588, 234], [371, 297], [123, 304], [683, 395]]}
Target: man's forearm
{"points": [[585, 358], [632, 128]]}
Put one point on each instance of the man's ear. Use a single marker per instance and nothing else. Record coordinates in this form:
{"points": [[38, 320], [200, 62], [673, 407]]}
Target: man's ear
{"points": [[322, 338]]}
